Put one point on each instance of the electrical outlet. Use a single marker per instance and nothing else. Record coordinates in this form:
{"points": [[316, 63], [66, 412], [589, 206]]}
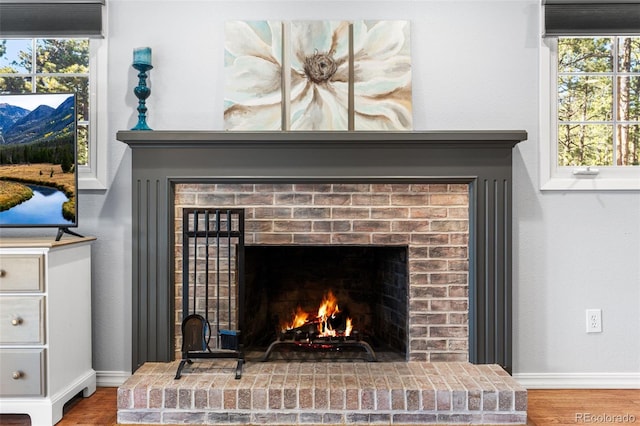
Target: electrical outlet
{"points": [[594, 320]]}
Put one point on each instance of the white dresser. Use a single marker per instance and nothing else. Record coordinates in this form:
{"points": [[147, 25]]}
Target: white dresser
{"points": [[45, 326]]}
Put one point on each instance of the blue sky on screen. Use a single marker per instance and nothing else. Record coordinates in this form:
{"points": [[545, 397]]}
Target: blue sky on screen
{"points": [[32, 101]]}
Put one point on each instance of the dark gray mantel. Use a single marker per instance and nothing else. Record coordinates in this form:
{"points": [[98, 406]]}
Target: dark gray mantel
{"points": [[483, 159]]}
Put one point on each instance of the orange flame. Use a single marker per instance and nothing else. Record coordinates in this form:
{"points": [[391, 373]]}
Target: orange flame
{"points": [[348, 328], [299, 319], [328, 309]]}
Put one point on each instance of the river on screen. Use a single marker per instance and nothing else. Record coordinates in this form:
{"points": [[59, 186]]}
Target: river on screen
{"points": [[44, 208]]}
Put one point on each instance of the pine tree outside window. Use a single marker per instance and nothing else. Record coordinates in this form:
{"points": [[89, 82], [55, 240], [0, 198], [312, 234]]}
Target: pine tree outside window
{"points": [[598, 98]]}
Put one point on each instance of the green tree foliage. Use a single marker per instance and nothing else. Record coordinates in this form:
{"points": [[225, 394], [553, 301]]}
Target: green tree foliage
{"points": [[9, 83], [66, 57], [628, 147], [598, 113], [56, 151]]}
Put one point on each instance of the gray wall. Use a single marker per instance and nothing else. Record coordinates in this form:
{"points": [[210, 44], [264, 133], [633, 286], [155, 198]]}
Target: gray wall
{"points": [[475, 66]]}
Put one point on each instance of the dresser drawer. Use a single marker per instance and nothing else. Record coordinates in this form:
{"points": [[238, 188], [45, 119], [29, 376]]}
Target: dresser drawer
{"points": [[21, 372], [21, 272], [21, 320]]}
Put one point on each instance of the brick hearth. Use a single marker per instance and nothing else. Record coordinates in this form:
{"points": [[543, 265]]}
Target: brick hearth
{"points": [[288, 393]]}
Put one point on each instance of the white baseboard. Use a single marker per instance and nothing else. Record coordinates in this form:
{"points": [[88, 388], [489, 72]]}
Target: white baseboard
{"points": [[528, 380], [111, 379], [578, 380]]}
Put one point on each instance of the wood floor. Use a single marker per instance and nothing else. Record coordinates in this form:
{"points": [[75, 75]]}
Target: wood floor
{"points": [[546, 407], [571, 407]]}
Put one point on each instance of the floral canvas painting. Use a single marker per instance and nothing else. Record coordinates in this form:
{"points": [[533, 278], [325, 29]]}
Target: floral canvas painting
{"points": [[320, 75], [339, 75], [382, 75], [253, 75]]}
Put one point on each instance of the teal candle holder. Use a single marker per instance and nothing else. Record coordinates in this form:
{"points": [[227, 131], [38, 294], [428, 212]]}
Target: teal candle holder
{"points": [[142, 92]]}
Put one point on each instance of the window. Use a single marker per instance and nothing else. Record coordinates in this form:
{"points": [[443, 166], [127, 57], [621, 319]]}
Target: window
{"points": [[598, 100], [590, 95], [57, 46], [592, 109], [58, 65]]}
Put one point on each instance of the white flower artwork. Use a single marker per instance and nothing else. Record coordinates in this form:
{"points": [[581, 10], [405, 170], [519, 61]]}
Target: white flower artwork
{"points": [[253, 75], [343, 75], [320, 75], [382, 75]]}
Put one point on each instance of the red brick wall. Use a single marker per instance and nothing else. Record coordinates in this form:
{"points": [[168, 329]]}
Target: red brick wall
{"points": [[432, 220]]}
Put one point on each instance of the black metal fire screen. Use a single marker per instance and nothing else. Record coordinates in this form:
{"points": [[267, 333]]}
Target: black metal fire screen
{"points": [[212, 285]]}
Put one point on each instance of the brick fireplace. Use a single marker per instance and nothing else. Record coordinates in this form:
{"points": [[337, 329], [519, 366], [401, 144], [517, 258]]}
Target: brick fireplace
{"points": [[442, 197], [163, 160], [420, 289]]}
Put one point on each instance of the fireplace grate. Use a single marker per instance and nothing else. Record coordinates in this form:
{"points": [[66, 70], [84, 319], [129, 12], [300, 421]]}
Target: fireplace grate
{"points": [[302, 346], [212, 285]]}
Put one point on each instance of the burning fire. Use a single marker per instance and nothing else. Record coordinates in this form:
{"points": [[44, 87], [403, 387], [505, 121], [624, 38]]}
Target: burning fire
{"points": [[299, 319], [326, 312]]}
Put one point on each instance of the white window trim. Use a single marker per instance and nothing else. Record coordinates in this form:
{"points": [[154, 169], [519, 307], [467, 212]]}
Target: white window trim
{"points": [[553, 177], [93, 176]]}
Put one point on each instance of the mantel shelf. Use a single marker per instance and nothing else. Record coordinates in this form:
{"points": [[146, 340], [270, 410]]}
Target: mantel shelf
{"points": [[198, 138]]}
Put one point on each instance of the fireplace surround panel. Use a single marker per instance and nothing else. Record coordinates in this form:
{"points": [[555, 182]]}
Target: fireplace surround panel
{"points": [[480, 159]]}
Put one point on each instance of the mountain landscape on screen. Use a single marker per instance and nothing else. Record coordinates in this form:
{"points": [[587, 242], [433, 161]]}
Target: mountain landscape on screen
{"points": [[38, 181]]}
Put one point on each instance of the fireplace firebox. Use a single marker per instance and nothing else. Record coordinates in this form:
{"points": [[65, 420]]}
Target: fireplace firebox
{"points": [[345, 299]]}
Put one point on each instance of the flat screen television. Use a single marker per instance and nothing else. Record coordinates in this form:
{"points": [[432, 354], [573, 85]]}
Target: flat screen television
{"points": [[38, 161]]}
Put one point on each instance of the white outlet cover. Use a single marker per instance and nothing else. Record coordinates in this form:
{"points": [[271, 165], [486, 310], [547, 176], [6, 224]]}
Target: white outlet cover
{"points": [[594, 320]]}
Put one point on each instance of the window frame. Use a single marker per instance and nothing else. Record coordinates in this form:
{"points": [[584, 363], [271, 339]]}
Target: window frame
{"points": [[93, 176], [565, 178]]}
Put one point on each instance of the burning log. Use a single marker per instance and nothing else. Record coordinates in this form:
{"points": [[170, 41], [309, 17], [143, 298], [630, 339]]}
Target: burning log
{"points": [[332, 327], [331, 330], [330, 321]]}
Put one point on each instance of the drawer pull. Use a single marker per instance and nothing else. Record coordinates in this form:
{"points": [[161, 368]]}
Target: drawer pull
{"points": [[17, 321], [17, 375], [3, 273]]}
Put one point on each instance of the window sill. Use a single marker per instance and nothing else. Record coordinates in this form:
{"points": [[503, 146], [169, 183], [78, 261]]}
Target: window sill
{"points": [[592, 183], [90, 183]]}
